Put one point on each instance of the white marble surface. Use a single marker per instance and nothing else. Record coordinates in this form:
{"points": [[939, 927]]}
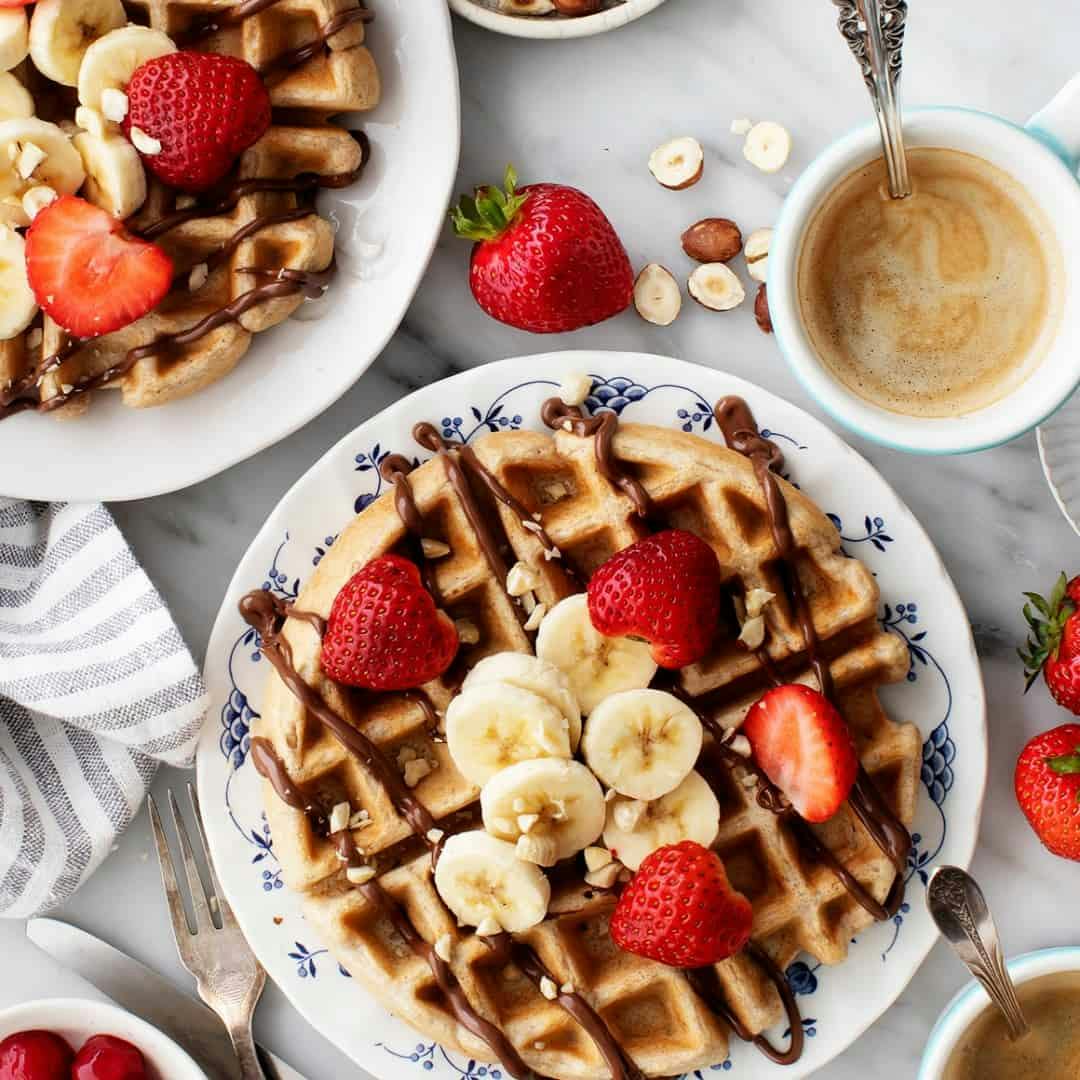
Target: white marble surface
{"points": [[588, 113]]}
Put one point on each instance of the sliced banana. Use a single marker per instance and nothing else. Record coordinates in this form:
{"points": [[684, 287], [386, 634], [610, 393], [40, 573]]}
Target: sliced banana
{"points": [[531, 673], [642, 743], [491, 726], [690, 812], [115, 179], [14, 37], [550, 808], [17, 306], [15, 99], [57, 162], [481, 879], [597, 666], [110, 61], [62, 30]]}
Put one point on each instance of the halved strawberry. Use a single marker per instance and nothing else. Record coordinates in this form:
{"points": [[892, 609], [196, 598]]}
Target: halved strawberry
{"points": [[805, 748], [88, 273]]}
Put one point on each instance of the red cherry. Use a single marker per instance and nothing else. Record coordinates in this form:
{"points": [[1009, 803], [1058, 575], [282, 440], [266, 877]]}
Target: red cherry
{"points": [[35, 1055], [105, 1057]]}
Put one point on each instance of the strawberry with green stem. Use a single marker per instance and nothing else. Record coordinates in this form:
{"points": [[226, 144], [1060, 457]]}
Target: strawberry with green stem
{"points": [[1053, 646], [545, 257], [1047, 784]]}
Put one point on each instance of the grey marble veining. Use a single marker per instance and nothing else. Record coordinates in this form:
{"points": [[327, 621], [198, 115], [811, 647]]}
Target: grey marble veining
{"points": [[588, 113]]}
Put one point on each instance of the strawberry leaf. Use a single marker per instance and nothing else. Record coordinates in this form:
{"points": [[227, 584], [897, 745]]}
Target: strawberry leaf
{"points": [[1046, 621], [490, 211], [1065, 764]]}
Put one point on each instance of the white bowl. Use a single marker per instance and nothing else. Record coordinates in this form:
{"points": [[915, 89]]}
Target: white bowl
{"points": [[77, 1019], [552, 27], [969, 1003]]}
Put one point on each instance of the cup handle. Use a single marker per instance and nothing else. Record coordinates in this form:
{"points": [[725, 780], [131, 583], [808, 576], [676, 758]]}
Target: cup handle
{"points": [[1057, 124]]}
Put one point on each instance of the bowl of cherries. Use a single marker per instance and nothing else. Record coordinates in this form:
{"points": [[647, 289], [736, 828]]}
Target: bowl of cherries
{"points": [[73, 1039]]}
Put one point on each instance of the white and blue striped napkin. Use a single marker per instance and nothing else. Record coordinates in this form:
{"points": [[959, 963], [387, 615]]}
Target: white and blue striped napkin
{"points": [[96, 688]]}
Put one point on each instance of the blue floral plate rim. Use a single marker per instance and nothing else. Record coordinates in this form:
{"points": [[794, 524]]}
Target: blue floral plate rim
{"points": [[943, 692]]}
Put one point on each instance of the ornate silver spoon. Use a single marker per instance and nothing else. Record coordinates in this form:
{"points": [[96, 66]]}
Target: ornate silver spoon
{"points": [[959, 908], [874, 31]]}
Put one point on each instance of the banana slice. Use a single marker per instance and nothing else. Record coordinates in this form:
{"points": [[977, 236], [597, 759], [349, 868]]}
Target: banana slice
{"points": [[531, 673], [14, 37], [57, 165], [110, 61], [495, 725], [115, 180], [481, 880], [642, 743], [549, 808], [597, 666], [17, 306], [15, 99], [635, 830], [61, 31]]}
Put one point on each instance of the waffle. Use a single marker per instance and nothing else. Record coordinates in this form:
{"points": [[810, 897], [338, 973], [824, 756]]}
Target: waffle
{"points": [[652, 1010], [342, 77]]}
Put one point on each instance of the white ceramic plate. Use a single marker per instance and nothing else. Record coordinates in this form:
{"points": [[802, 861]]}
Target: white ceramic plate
{"points": [[77, 1019], [1059, 452], [943, 694], [294, 371], [552, 27]]}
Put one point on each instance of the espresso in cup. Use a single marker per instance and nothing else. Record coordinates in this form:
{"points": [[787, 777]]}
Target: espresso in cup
{"points": [[935, 305], [1050, 1050]]}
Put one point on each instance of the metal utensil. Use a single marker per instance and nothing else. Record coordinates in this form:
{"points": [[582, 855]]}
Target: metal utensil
{"points": [[959, 908], [228, 977], [140, 990], [874, 31]]}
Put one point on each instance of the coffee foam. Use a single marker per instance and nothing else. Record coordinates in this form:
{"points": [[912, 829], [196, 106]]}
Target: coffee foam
{"points": [[935, 305]]}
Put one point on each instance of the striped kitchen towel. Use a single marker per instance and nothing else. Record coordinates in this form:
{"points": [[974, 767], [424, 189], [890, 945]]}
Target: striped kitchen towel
{"points": [[96, 688]]}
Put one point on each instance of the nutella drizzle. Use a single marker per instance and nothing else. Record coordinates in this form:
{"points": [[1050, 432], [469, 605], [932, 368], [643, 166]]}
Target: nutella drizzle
{"points": [[705, 982], [395, 469], [263, 611], [741, 434], [556, 414], [292, 58]]}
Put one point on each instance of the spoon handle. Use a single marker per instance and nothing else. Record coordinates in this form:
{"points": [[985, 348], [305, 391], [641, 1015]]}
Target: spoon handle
{"points": [[959, 908], [874, 31]]}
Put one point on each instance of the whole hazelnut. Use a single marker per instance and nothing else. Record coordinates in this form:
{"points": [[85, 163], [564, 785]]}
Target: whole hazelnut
{"points": [[712, 240], [761, 310]]}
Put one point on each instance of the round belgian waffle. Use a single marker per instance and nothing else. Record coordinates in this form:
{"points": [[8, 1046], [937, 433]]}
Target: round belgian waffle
{"points": [[800, 905], [340, 76]]}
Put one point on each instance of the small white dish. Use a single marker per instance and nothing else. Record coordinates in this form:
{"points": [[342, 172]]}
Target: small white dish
{"points": [[77, 1019], [485, 13], [295, 371], [1059, 451], [942, 695], [969, 1003]]}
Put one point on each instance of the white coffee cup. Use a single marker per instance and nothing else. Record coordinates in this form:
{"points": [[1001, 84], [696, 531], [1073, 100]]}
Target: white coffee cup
{"points": [[972, 1000], [1043, 157]]}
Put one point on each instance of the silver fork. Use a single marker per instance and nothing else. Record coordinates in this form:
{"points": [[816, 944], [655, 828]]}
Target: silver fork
{"points": [[229, 978]]}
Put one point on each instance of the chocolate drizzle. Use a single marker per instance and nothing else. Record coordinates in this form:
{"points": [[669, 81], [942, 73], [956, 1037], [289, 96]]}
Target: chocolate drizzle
{"points": [[602, 426], [707, 985], [292, 58], [246, 9], [453, 458], [507, 950], [741, 434], [25, 393], [263, 611]]}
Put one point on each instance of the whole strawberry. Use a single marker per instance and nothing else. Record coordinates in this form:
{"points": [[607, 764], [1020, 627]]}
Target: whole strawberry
{"points": [[680, 909], [546, 258], [1047, 786], [204, 109], [1054, 645], [665, 589], [384, 631]]}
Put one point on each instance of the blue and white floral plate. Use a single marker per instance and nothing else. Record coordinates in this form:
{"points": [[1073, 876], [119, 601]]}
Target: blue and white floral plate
{"points": [[943, 693]]}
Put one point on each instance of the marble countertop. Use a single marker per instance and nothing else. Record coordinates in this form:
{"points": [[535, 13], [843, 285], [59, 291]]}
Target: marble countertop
{"points": [[588, 113]]}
